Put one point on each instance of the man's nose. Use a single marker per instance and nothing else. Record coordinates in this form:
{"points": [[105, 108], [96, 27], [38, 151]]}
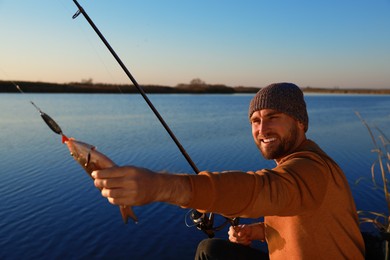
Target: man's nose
{"points": [[263, 128]]}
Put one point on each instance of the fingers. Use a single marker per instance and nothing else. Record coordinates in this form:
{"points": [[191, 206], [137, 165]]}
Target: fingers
{"points": [[116, 178], [234, 233], [120, 197], [124, 185], [110, 183], [240, 234], [113, 172]]}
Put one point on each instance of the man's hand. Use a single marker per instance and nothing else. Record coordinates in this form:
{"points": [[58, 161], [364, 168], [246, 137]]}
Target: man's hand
{"points": [[133, 186], [245, 234]]}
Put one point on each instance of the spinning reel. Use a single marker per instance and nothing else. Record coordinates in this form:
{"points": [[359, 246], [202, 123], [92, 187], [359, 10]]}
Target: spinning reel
{"points": [[205, 222]]}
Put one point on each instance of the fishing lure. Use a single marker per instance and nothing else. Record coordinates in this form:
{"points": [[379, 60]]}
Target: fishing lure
{"points": [[51, 123], [202, 221], [85, 154], [48, 120]]}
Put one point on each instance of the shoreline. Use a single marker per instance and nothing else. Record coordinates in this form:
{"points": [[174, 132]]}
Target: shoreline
{"points": [[74, 87]]}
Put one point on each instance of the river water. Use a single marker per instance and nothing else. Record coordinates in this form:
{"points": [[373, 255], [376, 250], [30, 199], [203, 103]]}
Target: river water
{"points": [[50, 209]]}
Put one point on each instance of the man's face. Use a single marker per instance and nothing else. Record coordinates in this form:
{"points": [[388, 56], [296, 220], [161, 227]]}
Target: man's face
{"points": [[276, 134]]}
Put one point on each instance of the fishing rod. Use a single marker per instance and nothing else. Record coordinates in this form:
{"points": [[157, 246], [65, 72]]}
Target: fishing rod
{"points": [[139, 88], [201, 220]]}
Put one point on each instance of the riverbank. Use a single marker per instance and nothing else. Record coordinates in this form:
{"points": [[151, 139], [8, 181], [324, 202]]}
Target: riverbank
{"points": [[87, 87]]}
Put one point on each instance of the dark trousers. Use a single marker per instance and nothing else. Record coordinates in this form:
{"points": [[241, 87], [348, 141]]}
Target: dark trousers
{"points": [[216, 248]]}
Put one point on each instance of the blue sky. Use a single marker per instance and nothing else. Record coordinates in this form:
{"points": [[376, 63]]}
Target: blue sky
{"points": [[332, 43]]}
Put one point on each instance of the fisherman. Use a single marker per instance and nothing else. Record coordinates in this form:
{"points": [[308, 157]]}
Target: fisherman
{"points": [[305, 199]]}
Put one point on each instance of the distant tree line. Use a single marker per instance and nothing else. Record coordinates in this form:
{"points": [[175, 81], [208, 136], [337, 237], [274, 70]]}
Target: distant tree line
{"points": [[196, 86]]}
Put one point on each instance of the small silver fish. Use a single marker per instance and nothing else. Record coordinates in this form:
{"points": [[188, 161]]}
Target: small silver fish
{"points": [[90, 159]]}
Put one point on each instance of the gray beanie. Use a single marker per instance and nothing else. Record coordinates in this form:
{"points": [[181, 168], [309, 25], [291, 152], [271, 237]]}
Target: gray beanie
{"points": [[283, 97]]}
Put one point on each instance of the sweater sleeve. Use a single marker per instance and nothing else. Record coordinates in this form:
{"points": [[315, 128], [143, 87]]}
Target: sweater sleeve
{"points": [[293, 187]]}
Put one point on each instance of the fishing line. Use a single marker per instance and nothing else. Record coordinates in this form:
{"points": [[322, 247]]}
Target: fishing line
{"points": [[85, 34], [46, 118], [202, 221], [135, 83]]}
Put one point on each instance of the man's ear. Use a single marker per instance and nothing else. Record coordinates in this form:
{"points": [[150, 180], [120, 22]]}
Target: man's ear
{"points": [[301, 125]]}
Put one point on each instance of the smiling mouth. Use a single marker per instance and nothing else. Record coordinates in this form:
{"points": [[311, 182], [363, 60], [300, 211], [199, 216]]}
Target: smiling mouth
{"points": [[268, 140]]}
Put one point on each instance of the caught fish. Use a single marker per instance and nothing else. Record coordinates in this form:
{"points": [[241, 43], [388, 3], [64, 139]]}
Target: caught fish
{"points": [[90, 159]]}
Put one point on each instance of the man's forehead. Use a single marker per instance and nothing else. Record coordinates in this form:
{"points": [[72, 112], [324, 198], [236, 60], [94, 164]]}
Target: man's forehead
{"points": [[266, 112]]}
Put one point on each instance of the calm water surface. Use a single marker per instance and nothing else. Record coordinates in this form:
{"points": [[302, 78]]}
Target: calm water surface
{"points": [[50, 209]]}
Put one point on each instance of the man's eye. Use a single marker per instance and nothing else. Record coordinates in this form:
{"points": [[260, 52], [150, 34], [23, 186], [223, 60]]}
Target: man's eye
{"points": [[255, 122]]}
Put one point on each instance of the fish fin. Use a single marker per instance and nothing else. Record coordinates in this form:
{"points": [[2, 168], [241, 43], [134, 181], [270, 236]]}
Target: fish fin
{"points": [[126, 212]]}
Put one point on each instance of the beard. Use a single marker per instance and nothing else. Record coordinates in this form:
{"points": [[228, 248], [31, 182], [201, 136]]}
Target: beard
{"points": [[281, 147]]}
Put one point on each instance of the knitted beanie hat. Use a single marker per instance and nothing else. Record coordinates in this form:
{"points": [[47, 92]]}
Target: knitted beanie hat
{"points": [[283, 97]]}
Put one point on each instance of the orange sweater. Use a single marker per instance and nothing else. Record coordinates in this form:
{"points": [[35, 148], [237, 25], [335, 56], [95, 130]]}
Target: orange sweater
{"points": [[308, 207]]}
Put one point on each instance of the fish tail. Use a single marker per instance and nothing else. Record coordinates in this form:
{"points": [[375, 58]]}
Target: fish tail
{"points": [[126, 212]]}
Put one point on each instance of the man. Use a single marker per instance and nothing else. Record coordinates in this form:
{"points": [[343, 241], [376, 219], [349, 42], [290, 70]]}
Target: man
{"points": [[306, 202]]}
